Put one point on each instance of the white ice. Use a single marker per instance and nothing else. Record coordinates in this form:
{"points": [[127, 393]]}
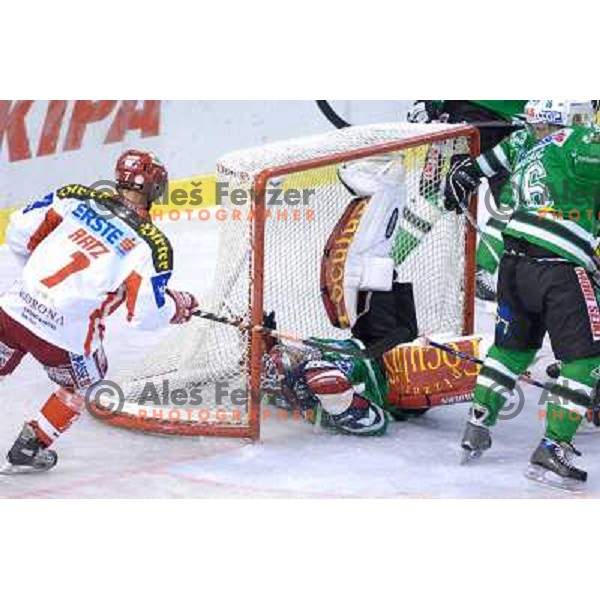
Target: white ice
{"points": [[417, 459]]}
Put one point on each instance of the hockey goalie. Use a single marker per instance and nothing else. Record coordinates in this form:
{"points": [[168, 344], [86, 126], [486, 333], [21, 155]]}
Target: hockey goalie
{"points": [[84, 255], [361, 294]]}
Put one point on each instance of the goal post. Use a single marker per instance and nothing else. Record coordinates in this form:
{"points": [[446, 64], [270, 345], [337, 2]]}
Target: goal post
{"points": [[269, 259]]}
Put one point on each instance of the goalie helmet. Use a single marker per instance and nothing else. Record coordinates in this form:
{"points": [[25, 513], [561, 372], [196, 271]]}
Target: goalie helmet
{"points": [[282, 374], [562, 113], [142, 172]]}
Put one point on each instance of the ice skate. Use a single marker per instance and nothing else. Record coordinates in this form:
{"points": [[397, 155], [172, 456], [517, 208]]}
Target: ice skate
{"points": [[476, 438], [551, 465], [28, 455]]}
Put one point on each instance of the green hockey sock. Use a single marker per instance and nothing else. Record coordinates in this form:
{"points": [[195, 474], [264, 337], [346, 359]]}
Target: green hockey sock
{"points": [[498, 378], [561, 423]]}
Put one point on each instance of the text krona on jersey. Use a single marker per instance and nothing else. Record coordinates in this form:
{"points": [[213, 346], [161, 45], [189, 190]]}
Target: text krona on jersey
{"points": [[69, 120]]}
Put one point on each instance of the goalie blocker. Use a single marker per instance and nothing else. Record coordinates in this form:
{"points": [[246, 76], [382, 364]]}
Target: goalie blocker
{"points": [[360, 293]]}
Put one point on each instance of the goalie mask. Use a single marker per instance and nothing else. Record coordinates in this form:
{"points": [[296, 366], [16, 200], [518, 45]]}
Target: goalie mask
{"points": [[561, 113], [282, 374], [364, 178], [357, 254]]}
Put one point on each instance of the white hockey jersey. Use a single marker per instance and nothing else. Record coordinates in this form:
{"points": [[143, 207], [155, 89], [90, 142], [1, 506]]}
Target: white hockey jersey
{"points": [[85, 254]]}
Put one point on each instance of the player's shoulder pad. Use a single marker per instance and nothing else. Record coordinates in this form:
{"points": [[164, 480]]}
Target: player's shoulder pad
{"points": [[158, 243], [160, 246], [82, 192]]}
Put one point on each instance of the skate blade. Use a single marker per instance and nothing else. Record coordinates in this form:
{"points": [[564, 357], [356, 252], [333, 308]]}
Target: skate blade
{"points": [[10, 469], [549, 479], [467, 456]]}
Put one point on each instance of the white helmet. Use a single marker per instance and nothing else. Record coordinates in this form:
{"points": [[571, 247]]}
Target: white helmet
{"points": [[563, 113]]}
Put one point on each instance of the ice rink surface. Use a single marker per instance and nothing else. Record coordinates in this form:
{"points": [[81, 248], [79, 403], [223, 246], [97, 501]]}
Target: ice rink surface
{"points": [[416, 459]]}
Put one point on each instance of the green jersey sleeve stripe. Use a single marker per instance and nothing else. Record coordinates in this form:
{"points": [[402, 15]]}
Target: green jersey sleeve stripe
{"points": [[494, 233], [555, 243], [499, 153], [580, 239], [485, 166], [497, 224], [490, 164]]}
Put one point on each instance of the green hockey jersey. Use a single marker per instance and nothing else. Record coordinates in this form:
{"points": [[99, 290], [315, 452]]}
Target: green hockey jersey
{"points": [[555, 191], [502, 158], [505, 156], [505, 109]]}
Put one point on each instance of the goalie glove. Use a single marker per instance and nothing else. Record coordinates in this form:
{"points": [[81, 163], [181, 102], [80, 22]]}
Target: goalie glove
{"points": [[463, 179], [269, 322], [185, 304]]}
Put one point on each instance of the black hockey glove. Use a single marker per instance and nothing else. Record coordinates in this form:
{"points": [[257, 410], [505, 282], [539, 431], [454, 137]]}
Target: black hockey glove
{"points": [[463, 179], [269, 320], [425, 111]]}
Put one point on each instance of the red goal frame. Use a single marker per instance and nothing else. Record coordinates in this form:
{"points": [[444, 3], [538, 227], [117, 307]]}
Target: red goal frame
{"points": [[258, 237]]}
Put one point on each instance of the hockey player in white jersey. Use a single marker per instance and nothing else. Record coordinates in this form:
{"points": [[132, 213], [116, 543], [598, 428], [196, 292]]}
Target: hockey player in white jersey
{"points": [[85, 254]]}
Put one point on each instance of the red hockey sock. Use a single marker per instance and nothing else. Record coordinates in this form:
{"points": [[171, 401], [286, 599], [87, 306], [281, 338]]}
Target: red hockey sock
{"points": [[59, 412]]}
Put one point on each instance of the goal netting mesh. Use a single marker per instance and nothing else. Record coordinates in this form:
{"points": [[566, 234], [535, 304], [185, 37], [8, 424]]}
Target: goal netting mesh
{"points": [[281, 270]]}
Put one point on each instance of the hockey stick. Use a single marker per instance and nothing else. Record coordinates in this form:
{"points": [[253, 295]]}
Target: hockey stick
{"points": [[340, 123], [330, 114], [242, 325], [475, 225]]}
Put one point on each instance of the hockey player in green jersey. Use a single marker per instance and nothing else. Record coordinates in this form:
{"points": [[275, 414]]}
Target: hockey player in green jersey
{"points": [[500, 161], [496, 120], [547, 283]]}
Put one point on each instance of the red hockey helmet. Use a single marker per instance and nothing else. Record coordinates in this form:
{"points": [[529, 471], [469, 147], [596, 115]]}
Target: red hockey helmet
{"points": [[143, 172]]}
